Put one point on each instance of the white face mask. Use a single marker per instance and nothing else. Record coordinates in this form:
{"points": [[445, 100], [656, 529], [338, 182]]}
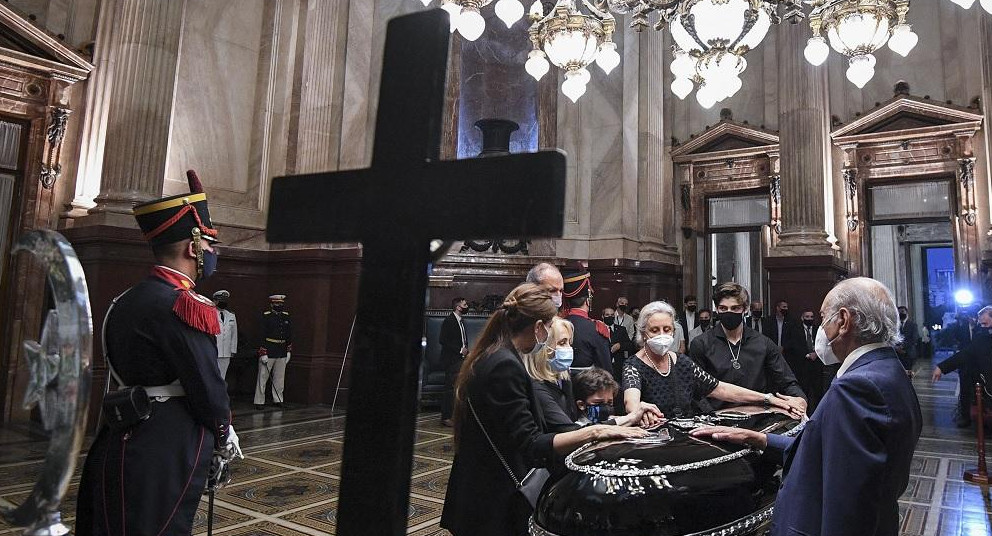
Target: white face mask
{"points": [[556, 300], [822, 345], [659, 344]]}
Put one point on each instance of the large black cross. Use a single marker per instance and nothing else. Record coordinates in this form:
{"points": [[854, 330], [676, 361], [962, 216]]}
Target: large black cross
{"points": [[395, 208]]}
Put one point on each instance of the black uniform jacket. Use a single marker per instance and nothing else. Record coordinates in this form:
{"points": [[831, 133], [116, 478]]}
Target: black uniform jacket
{"points": [[591, 348], [479, 499], [450, 339], [277, 330], [148, 480], [763, 368]]}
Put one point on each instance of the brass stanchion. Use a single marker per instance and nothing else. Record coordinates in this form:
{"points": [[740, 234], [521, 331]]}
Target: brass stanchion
{"points": [[980, 475]]}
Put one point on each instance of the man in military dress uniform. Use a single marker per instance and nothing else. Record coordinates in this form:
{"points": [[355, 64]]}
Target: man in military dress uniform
{"points": [[591, 338], [147, 478], [276, 349], [227, 339]]}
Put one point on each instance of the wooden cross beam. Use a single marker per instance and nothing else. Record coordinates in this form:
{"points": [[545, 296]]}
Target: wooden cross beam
{"points": [[405, 199]]}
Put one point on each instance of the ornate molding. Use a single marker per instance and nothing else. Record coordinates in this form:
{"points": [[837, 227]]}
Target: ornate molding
{"points": [[497, 245], [851, 190], [775, 191], [51, 169], [966, 178]]}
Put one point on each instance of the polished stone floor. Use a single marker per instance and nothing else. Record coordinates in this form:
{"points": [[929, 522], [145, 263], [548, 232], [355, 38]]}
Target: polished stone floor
{"points": [[288, 483]]}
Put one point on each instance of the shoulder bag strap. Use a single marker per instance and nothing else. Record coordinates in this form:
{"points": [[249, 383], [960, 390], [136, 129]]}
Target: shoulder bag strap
{"points": [[106, 353], [493, 445]]}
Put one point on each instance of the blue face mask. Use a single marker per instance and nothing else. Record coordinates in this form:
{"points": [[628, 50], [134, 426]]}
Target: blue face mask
{"points": [[562, 359], [598, 413], [209, 264]]}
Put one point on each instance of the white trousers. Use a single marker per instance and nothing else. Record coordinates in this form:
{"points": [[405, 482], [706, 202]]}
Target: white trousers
{"points": [[277, 368], [222, 364]]}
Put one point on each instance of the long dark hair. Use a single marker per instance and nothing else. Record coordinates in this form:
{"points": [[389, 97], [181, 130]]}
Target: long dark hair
{"points": [[521, 309]]}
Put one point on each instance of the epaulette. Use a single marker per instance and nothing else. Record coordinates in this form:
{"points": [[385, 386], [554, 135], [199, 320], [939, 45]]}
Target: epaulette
{"points": [[266, 312], [602, 328], [197, 311]]}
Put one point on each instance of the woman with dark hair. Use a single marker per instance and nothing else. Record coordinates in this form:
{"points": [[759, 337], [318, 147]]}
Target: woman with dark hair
{"points": [[495, 408]]}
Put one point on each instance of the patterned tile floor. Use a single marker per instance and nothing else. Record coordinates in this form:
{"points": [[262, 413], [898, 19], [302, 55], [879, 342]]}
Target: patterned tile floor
{"points": [[288, 484]]}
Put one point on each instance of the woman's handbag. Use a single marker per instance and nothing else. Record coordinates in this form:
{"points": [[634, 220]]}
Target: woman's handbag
{"points": [[533, 482]]}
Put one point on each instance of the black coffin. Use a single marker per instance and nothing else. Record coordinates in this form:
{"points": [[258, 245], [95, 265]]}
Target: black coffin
{"points": [[668, 484]]}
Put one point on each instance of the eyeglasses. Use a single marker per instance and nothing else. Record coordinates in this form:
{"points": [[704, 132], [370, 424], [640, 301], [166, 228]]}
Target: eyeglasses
{"points": [[733, 309]]}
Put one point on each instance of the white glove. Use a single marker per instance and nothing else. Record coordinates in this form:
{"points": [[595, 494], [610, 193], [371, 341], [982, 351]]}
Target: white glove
{"points": [[233, 445], [264, 359], [288, 355]]}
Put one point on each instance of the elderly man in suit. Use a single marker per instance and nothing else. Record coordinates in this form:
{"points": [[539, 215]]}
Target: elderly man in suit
{"points": [[844, 473]]}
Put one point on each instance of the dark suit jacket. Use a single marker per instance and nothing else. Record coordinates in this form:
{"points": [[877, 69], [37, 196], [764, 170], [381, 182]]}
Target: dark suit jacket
{"points": [[910, 338], [558, 404], [844, 473], [591, 348], [450, 339], [970, 361], [480, 492], [618, 335]]}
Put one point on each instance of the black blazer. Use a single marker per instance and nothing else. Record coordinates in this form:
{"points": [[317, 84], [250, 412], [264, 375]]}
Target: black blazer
{"points": [[480, 496], [591, 348], [558, 404], [450, 339]]}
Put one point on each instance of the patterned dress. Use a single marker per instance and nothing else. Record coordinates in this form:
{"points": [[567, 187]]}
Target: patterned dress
{"points": [[680, 393]]}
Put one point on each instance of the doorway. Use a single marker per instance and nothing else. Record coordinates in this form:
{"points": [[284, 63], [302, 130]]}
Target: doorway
{"points": [[735, 243], [11, 143]]}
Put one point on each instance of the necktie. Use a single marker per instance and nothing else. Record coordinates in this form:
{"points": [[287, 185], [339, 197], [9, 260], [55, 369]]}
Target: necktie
{"points": [[809, 338], [222, 316]]}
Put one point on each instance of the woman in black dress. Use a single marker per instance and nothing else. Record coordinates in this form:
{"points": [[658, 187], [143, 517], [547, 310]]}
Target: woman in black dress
{"points": [[494, 397], [673, 382]]}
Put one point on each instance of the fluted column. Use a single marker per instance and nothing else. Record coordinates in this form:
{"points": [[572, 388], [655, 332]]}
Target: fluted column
{"points": [[318, 114], [143, 88], [804, 123]]}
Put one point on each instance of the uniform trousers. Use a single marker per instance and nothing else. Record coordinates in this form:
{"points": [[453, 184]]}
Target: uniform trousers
{"points": [[222, 364], [276, 367]]}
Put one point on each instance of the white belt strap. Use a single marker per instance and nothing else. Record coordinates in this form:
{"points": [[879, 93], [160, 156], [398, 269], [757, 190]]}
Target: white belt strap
{"points": [[161, 392]]}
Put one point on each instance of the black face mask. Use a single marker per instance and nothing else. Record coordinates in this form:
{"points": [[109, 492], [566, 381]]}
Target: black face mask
{"points": [[608, 320], [277, 308], [690, 308], [903, 316], [785, 313], [808, 322], [705, 324], [598, 413], [222, 305], [756, 314], [730, 320]]}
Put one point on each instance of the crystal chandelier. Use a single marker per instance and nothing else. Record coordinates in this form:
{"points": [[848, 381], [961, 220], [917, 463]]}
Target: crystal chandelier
{"points": [[986, 4], [711, 38], [571, 40], [467, 19], [856, 29]]}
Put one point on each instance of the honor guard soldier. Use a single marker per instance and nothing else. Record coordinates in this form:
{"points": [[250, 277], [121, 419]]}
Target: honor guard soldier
{"points": [[276, 349], [227, 340], [150, 462], [592, 337]]}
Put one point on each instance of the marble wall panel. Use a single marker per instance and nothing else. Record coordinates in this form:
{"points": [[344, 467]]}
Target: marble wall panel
{"points": [[215, 95], [494, 84]]}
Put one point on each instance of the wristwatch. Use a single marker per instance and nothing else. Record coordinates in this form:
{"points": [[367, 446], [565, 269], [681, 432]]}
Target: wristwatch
{"points": [[768, 400]]}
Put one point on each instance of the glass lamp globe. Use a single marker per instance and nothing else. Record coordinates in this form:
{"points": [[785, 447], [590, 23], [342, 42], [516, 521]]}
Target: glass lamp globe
{"points": [[683, 66], [904, 39], [682, 87], [861, 69], [964, 3], [705, 96], [471, 24], [986, 5], [816, 50], [574, 85], [509, 11], [608, 58], [537, 65]]}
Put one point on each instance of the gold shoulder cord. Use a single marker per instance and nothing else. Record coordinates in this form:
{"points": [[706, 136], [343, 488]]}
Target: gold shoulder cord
{"points": [[198, 249]]}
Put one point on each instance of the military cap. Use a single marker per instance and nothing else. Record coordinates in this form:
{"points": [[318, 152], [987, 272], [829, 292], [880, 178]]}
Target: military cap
{"points": [[277, 297], [174, 218], [577, 284], [221, 295]]}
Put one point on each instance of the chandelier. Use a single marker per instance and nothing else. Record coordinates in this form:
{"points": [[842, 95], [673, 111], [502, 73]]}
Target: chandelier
{"points": [[467, 18], [986, 4], [571, 39], [857, 29], [711, 38]]}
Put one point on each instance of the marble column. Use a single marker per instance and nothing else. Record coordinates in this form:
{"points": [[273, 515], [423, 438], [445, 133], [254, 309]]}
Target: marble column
{"points": [[804, 124], [318, 114], [94, 129], [143, 87]]}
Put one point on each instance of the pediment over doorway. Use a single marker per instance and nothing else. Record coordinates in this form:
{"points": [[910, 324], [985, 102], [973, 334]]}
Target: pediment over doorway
{"points": [[727, 136], [26, 46], [905, 113]]}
